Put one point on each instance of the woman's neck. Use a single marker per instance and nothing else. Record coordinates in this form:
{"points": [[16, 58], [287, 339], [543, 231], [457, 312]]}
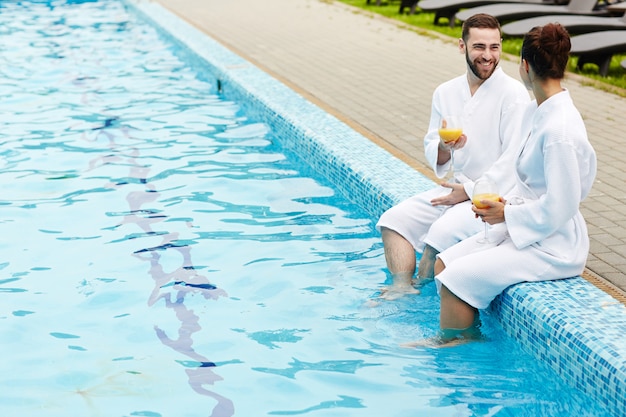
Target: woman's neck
{"points": [[545, 89]]}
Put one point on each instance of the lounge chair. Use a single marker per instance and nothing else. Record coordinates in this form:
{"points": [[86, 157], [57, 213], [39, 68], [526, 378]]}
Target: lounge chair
{"points": [[616, 8], [507, 12], [410, 4], [573, 23], [448, 8], [598, 48], [623, 64]]}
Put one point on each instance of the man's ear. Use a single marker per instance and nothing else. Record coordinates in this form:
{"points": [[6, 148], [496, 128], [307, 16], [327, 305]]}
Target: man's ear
{"points": [[461, 46]]}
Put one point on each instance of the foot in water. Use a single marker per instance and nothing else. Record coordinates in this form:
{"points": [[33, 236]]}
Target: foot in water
{"points": [[395, 291], [449, 338]]}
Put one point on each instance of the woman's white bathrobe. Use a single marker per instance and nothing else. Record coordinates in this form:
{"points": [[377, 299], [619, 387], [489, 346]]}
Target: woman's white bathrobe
{"points": [[491, 121], [544, 236]]}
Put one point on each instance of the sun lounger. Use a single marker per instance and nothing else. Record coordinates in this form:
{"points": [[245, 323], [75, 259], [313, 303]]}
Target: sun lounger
{"points": [[623, 64], [410, 4], [507, 12], [598, 48], [617, 8], [448, 8], [573, 23]]}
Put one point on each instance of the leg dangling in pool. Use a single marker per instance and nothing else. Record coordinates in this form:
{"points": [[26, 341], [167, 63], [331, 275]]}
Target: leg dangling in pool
{"points": [[450, 337]]}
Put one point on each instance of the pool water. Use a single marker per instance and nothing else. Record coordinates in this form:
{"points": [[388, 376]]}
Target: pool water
{"points": [[164, 256]]}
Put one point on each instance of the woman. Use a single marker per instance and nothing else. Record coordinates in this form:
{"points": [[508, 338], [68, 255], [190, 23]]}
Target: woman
{"points": [[539, 232]]}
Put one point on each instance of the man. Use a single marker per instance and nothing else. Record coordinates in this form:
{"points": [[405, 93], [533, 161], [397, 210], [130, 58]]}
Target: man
{"points": [[489, 103]]}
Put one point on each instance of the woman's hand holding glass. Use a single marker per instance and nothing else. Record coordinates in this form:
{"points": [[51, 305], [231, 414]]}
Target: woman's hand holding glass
{"points": [[488, 205]]}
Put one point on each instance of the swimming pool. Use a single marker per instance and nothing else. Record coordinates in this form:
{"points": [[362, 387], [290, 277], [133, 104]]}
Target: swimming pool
{"points": [[170, 253]]}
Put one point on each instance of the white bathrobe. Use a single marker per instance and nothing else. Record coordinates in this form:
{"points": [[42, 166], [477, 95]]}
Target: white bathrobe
{"points": [[544, 236], [491, 121]]}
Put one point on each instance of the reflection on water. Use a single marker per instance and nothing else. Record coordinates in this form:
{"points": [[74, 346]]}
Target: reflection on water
{"points": [[186, 280], [163, 256]]}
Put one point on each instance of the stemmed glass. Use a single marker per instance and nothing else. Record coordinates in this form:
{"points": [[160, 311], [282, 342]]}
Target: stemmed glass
{"points": [[484, 190], [450, 129]]}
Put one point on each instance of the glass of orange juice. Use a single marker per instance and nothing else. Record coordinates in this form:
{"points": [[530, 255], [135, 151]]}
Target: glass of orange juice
{"points": [[450, 130], [484, 190]]}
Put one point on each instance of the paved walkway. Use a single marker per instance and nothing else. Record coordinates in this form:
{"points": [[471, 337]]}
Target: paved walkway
{"points": [[378, 76]]}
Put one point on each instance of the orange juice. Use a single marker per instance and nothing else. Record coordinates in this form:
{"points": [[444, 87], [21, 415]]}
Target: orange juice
{"points": [[486, 196], [450, 135]]}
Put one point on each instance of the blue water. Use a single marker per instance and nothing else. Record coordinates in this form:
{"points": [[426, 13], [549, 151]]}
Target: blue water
{"points": [[163, 256]]}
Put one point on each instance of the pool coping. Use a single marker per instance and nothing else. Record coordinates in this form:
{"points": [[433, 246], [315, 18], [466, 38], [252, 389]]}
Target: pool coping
{"points": [[569, 324]]}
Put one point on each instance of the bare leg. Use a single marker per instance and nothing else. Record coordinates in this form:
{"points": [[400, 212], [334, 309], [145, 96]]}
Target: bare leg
{"points": [[426, 268], [455, 313], [400, 258], [399, 253], [438, 267], [457, 320]]}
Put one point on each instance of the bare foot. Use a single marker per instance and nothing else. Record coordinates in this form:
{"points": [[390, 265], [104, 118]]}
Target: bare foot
{"points": [[394, 292], [449, 338], [371, 303], [435, 342], [419, 282]]}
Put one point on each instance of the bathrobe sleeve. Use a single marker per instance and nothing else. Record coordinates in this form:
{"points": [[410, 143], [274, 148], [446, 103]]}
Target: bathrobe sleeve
{"points": [[448, 98]]}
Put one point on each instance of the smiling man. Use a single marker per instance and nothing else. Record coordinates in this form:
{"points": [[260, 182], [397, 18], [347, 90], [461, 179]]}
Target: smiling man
{"points": [[490, 105]]}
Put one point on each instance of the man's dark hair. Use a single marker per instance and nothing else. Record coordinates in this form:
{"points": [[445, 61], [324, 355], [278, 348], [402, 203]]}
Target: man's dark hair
{"points": [[480, 21]]}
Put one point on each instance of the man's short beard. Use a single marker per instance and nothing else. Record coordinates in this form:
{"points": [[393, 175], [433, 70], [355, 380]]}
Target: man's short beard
{"points": [[475, 70]]}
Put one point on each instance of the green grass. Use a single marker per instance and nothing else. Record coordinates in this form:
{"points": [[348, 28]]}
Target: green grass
{"points": [[425, 20]]}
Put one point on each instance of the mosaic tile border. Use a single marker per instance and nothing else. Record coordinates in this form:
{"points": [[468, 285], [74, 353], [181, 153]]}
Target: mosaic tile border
{"points": [[569, 324]]}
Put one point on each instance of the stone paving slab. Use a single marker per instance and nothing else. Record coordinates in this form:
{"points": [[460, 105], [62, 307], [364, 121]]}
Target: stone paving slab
{"points": [[377, 76]]}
